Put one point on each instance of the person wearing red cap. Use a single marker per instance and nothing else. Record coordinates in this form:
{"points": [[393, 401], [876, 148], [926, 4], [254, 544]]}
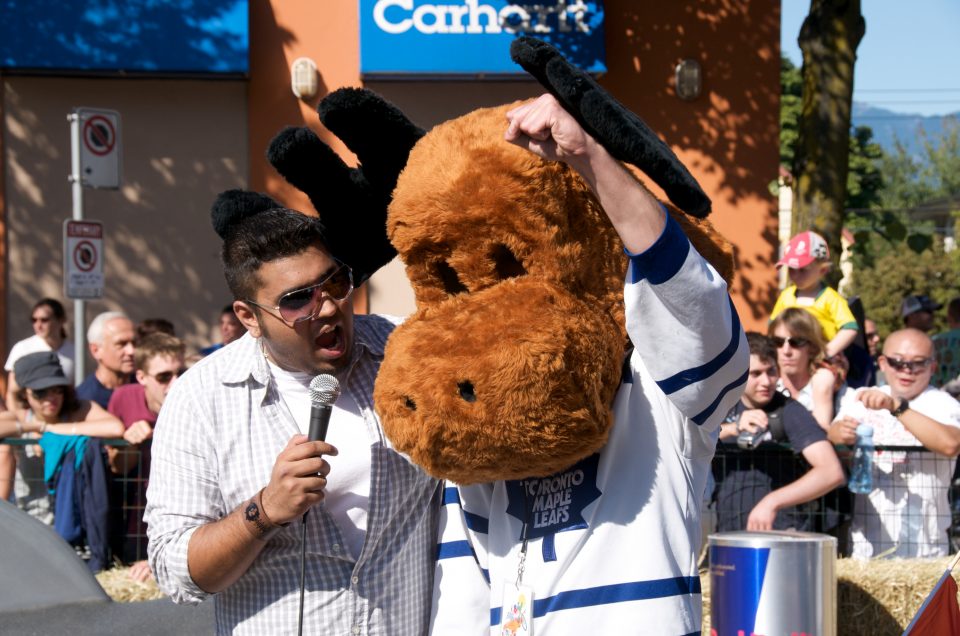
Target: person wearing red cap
{"points": [[808, 259]]}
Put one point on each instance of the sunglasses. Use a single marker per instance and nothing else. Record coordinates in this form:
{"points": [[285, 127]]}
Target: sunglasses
{"points": [[796, 343], [40, 394], [914, 366], [305, 304], [870, 335], [166, 377]]}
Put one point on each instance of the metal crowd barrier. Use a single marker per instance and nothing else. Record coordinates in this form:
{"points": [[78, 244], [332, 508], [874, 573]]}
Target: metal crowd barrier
{"points": [[900, 516], [126, 493], [728, 507]]}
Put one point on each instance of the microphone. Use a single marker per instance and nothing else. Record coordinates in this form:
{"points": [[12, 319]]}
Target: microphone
{"points": [[324, 391]]}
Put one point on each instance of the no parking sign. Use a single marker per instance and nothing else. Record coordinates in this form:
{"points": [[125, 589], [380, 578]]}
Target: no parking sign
{"points": [[96, 137], [82, 259]]}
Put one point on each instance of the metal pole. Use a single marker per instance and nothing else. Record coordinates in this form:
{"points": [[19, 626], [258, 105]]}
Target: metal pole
{"points": [[76, 183]]}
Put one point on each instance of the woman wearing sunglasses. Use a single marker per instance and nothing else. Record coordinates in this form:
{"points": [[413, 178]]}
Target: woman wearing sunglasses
{"points": [[48, 409], [804, 373], [49, 334]]}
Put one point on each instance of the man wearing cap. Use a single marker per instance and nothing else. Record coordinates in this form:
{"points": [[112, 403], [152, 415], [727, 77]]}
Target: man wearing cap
{"points": [[808, 260], [917, 312]]}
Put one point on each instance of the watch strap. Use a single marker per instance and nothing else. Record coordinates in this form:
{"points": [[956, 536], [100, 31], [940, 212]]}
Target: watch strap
{"points": [[900, 408], [256, 520]]}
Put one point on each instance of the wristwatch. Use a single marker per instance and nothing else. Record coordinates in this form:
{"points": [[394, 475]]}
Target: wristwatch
{"points": [[252, 513], [900, 408]]}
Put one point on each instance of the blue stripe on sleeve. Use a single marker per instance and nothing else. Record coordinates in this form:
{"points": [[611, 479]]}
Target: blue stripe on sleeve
{"points": [[608, 594], [451, 496], [454, 549], [705, 414], [691, 376], [661, 261], [476, 523]]}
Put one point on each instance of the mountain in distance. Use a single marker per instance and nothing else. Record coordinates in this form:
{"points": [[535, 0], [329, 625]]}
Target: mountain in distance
{"points": [[888, 125]]}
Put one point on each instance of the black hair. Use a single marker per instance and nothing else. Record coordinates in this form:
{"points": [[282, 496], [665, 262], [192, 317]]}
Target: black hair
{"points": [[58, 312], [762, 347], [262, 238]]}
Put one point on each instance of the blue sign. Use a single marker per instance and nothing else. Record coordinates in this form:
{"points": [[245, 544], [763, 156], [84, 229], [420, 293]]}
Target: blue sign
{"points": [[472, 37], [140, 36]]}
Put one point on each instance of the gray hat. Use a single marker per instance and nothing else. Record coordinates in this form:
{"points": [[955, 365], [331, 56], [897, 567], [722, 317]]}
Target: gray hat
{"points": [[39, 370], [913, 304]]}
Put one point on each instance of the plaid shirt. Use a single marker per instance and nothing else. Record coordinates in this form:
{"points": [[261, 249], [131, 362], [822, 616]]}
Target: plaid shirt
{"points": [[216, 441]]}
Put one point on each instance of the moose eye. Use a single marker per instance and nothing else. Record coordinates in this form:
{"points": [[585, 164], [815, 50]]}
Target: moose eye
{"points": [[506, 264], [466, 391], [448, 277]]}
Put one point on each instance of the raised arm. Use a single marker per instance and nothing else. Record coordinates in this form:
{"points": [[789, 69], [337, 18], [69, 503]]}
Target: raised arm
{"points": [[679, 314], [544, 128]]}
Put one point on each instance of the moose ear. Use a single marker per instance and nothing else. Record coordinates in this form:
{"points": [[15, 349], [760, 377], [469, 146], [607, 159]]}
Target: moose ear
{"points": [[233, 206], [622, 133], [352, 202]]}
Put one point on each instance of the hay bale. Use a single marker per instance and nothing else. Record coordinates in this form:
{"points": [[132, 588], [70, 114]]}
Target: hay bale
{"points": [[873, 597], [121, 588]]}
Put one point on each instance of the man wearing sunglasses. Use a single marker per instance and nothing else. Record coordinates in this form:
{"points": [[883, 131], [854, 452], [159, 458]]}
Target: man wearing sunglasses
{"points": [[159, 361], [907, 512], [233, 472]]}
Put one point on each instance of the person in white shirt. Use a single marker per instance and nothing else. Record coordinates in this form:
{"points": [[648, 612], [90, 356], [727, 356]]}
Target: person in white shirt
{"points": [[608, 544], [49, 334], [233, 472], [907, 513]]}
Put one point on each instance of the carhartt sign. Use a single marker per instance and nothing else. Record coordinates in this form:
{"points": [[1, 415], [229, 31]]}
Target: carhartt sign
{"points": [[472, 37]]}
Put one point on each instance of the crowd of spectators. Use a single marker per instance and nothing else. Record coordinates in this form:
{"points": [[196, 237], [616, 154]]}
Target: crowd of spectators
{"points": [[818, 374], [82, 459], [834, 365]]}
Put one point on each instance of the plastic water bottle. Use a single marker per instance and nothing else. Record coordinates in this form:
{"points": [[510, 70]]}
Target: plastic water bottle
{"points": [[861, 473]]}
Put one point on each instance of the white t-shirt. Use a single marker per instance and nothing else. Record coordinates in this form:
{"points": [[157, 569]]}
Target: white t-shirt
{"points": [[348, 484], [34, 344], [907, 511]]}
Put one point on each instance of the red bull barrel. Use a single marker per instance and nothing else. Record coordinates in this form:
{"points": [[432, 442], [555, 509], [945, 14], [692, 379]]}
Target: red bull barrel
{"points": [[773, 584]]}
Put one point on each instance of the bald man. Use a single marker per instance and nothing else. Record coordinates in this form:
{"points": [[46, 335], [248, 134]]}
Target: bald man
{"points": [[907, 512]]}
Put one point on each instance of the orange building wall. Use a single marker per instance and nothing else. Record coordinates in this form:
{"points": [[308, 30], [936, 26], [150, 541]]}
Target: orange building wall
{"points": [[728, 137]]}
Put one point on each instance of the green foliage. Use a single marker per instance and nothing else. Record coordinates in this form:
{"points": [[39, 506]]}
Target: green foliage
{"points": [[899, 272], [864, 180]]}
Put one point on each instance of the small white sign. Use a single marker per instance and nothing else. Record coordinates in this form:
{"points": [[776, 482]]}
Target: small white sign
{"points": [[82, 259], [97, 134]]}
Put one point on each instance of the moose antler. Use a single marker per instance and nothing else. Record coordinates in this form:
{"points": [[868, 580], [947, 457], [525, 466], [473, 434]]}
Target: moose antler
{"points": [[352, 202], [622, 133]]}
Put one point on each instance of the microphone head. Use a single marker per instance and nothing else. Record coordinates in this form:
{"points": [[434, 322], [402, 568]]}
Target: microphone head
{"points": [[324, 389]]}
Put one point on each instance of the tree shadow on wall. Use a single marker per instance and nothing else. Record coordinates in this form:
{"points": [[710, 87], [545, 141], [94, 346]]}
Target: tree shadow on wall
{"points": [[126, 35], [733, 125]]}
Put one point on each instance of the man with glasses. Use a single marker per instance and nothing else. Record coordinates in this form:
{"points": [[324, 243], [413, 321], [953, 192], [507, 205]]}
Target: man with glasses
{"points": [[159, 361], [233, 471], [907, 512]]}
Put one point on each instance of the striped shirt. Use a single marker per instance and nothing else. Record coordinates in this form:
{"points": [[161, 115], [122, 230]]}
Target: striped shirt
{"points": [[613, 540], [215, 444]]}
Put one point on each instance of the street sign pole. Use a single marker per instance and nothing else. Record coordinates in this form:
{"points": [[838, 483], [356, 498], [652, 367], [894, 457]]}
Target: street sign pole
{"points": [[79, 305]]}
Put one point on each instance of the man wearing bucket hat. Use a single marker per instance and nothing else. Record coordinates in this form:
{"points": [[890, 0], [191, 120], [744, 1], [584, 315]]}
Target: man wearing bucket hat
{"points": [[917, 312], [808, 260]]}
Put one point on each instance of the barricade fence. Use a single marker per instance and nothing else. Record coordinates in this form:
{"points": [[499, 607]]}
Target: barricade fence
{"points": [[125, 472], [913, 509]]}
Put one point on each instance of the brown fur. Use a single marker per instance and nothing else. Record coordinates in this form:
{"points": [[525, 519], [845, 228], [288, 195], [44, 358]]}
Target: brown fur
{"points": [[518, 276]]}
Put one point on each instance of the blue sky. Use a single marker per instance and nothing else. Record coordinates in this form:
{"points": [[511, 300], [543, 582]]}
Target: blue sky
{"points": [[909, 59]]}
